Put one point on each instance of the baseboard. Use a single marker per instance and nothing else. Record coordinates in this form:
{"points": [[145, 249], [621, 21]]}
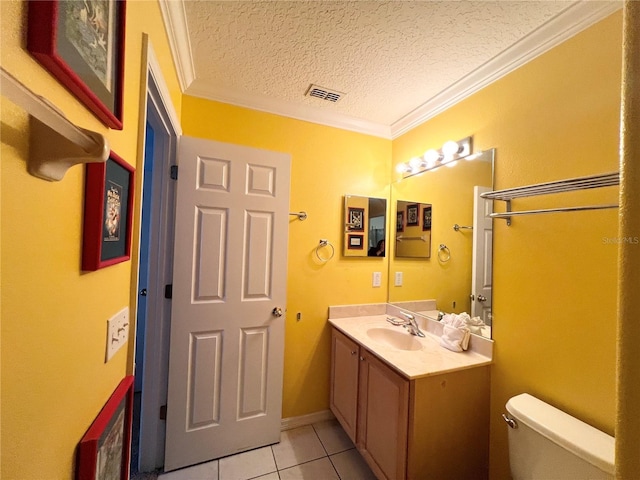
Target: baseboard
{"points": [[301, 421]]}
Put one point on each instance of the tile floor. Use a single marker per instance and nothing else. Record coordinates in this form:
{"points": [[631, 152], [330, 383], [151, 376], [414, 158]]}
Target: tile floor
{"points": [[321, 451]]}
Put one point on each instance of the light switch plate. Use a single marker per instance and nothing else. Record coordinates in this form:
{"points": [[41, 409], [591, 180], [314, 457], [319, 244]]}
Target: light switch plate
{"points": [[398, 282], [377, 279], [117, 332]]}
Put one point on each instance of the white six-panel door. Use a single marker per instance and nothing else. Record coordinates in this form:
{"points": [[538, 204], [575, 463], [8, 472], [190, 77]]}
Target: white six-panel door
{"points": [[230, 267], [482, 255]]}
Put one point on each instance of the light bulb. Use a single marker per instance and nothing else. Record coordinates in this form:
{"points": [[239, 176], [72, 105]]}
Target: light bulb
{"points": [[450, 148], [415, 163], [402, 168], [431, 157]]}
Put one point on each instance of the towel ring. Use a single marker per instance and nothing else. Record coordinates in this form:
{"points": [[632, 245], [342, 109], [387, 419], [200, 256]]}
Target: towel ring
{"points": [[444, 249], [324, 243]]}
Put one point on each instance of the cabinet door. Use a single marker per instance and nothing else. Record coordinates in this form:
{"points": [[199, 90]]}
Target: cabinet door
{"points": [[344, 381], [383, 417]]}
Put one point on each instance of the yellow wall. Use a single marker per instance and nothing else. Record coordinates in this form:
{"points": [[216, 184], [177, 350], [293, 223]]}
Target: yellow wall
{"points": [[54, 379], [554, 275], [326, 164], [450, 192]]}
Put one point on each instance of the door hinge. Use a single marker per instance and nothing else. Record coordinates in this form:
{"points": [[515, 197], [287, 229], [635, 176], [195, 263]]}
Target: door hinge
{"points": [[163, 412], [174, 172], [168, 291]]}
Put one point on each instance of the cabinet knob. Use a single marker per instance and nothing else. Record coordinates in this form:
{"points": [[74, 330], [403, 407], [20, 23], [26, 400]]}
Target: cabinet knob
{"points": [[362, 358], [353, 352]]}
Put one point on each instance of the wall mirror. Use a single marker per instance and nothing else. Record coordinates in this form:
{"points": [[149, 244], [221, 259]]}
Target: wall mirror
{"points": [[365, 220], [448, 274], [413, 229]]}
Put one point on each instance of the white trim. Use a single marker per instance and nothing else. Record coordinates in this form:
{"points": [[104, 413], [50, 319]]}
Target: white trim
{"points": [[153, 68], [565, 25], [303, 420], [288, 109], [154, 378], [175, 24]]}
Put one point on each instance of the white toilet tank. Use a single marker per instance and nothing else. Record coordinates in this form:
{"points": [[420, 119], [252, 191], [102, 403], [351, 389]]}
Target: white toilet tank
{"points": [[545, 443]]}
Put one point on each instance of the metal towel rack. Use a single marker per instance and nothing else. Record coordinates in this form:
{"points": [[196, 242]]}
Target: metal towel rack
{"points": [[457, 227], [400, 238], [547, 188]]}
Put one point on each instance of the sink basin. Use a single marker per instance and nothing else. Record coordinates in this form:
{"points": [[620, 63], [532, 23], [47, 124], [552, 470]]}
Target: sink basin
{"points": [[399, 339]]}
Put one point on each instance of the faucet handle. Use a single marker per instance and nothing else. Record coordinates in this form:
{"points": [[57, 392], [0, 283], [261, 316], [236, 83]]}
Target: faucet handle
{"points": [[408, 315]]}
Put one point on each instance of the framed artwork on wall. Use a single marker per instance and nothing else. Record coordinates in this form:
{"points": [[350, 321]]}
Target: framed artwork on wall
{"points": [[108, 212], [82, 44], [356, 242], [355, 220], [413, 215], [104, 451]]}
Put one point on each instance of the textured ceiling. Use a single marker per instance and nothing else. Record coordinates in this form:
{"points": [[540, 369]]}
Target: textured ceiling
{"points": [[388, 57]]}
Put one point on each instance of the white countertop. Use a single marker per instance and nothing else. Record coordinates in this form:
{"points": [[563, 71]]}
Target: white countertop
{"points": [[431, 359]]}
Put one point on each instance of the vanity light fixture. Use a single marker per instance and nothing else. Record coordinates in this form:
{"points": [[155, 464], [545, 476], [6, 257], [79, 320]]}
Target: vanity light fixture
{"points": [[448, 155]]}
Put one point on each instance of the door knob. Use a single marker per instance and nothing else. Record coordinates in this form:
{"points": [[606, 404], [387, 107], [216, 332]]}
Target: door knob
{"points": [[472, 297], [143, 292], [276, 312], [482, 298]]}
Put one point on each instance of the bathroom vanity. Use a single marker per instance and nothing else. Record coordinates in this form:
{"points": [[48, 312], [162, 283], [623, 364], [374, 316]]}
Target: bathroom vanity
{"points": [[413, 409]]}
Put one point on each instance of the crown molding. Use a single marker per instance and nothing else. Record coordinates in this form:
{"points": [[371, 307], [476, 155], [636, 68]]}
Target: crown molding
{"points": [[563, 26], [288, 109], [175, 24]]}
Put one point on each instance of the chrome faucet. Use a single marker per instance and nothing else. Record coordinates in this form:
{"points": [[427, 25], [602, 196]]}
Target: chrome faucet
{"points": [[412, 325]]}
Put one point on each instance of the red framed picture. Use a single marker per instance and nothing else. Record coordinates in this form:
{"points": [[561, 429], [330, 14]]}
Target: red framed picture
{"points": [[108, 213], [82, 44], [104, 451]]}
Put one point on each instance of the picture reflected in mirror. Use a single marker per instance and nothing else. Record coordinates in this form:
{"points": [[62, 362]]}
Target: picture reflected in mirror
{"points": [[413, 229], [365, 220], [432, 204]]}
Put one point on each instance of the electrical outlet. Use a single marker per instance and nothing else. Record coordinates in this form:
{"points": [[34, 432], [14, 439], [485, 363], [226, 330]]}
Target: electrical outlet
{"points": [[377, 279], [117, 332], [398, 282]]}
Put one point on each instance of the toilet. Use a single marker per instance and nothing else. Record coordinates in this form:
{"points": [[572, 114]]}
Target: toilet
{"points": [[545, 443]]}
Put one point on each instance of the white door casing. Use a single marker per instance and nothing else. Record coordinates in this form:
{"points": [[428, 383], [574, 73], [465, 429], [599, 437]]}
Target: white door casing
{"points": [[482, 256], [230, 267], [156, 337]]}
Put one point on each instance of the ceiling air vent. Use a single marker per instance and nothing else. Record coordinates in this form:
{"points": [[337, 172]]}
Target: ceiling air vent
{"points": [[324, 93]]}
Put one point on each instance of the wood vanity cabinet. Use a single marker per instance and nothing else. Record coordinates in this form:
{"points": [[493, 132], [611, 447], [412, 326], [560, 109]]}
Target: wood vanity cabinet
{"points": [[435, 427], [345, 356]]}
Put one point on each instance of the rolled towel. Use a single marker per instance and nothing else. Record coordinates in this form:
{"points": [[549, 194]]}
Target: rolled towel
{"points": [[475, 325], [455, 339], [477, 321], [455, 332], [455, 320]]}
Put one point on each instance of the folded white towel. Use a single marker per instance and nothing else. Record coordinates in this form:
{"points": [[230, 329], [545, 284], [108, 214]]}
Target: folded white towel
{"points": [[475, 325], [475, 321], [455, 332]]}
